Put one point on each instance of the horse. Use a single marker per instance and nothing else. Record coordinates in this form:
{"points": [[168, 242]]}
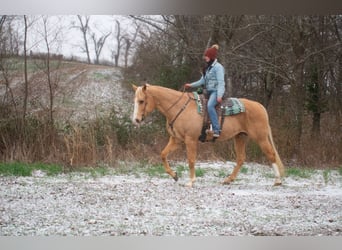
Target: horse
{"points": [[184, 125]]}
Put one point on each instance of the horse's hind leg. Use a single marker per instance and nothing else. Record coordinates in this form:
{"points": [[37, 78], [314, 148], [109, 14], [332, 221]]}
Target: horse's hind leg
{"points": [[240, 150], [171, 146], [270, 153]]}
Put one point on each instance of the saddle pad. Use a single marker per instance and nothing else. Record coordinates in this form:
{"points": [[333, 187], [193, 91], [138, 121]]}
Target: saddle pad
{"points": [[232, 106], [199, 102]]}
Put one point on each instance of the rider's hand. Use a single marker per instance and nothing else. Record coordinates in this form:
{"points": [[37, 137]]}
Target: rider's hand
{"points": [[219, 99], [187, 85]]}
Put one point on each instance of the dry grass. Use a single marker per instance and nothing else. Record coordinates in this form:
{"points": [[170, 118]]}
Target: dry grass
{"points": [[110, 140]]}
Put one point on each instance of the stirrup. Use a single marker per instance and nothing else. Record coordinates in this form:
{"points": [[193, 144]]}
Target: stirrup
{"points": [[212, 133]]}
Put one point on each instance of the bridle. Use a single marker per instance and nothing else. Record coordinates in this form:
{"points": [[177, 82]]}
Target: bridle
{"points": [[144, 108]]}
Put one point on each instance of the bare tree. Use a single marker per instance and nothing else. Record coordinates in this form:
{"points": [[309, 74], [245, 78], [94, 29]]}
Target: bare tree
{"points": [[51, 38], [84, 28], [5, 72], [336, 72], [2, 21], [98, 45], [129, 41], [119, 38], [25, 70]]}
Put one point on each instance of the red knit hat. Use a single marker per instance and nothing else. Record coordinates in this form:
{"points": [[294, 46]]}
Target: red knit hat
{"points": [[212, 52]]}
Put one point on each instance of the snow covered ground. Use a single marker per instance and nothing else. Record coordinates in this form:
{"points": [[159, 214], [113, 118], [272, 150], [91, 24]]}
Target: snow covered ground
{"points": [[92, 92], [135, 203]]}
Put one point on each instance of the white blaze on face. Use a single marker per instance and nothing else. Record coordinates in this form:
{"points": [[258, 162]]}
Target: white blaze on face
{"points": [[135, 112], [136, 118]]}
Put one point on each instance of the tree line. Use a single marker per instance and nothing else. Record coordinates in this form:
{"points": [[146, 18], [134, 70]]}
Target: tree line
{"points": [[89, 34], [291, 64]]}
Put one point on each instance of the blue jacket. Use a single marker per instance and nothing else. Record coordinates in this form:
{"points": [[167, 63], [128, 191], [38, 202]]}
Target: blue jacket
{"points": [[213, 79]]}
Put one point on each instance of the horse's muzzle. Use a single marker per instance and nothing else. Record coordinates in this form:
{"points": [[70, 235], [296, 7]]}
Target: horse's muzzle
{"points": [[138, 121]]}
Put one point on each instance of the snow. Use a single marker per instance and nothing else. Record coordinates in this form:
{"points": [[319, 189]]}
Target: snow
{"points": [[95, 95], [131, 204]]}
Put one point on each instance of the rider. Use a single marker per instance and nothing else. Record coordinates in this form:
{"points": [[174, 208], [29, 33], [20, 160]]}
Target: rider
{"points": [[213, 80]]}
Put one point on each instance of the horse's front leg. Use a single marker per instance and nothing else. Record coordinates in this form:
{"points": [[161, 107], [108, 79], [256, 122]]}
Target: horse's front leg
{"points": [[191, 149], [172, 145]]}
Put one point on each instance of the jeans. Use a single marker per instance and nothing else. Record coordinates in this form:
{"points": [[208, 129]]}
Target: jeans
{"points": [[212, 102]]}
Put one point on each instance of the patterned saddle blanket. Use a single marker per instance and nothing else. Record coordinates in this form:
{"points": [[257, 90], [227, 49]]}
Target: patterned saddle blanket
{"points": [[229, 106]]}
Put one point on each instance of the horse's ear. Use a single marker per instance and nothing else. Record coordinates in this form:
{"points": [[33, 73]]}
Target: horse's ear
{"points": [[145, 87], [134, 87]]}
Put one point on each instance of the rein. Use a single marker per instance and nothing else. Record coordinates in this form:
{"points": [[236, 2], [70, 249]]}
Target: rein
{"points": [[176, 101], [180, 111]]}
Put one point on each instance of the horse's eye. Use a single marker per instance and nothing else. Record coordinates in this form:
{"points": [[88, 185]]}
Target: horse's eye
{"points": [[141, 102]]}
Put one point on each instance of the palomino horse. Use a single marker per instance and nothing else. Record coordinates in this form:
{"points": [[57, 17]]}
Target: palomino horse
{"points": [[184, 125]]}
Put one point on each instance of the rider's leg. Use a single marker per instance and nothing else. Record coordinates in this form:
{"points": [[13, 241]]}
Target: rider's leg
{"points": [[212, 102]]}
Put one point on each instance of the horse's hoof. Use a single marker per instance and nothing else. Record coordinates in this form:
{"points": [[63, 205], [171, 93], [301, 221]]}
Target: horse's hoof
{"points": [[226, 182], [189, 185], [277, 184], [176, 177]]}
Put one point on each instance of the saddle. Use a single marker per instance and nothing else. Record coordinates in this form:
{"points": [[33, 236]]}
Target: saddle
{"points": [[228, 107]]}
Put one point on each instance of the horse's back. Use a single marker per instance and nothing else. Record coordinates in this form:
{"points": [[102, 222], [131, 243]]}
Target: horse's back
{"points": [[254, 108]]}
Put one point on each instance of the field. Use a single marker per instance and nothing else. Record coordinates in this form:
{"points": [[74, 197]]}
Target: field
{"points": [[140, 199]]}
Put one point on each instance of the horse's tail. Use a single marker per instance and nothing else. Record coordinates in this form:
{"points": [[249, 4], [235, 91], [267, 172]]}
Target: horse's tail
{"points": [[278, 160]]}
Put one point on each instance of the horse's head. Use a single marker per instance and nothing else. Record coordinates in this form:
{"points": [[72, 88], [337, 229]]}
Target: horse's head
{"points": [[143, 103]]}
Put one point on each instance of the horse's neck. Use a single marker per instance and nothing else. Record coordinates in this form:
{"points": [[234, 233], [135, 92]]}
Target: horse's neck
{"points": [[165, 99]]}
